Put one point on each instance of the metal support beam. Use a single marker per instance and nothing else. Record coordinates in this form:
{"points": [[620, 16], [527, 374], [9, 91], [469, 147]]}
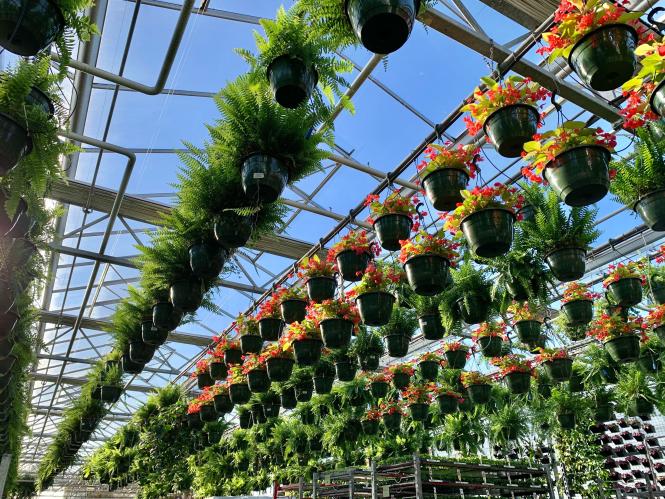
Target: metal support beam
{"points": [[91, 362], [4, 471], [40, 410], [371, 171], [66, 380]]}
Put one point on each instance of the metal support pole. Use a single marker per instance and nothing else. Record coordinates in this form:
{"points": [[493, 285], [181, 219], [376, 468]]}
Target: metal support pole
{"points": [[371, 171], [351, 484], [418, 476], [548, 475], [4, 471], [315, 485], [375, 494], [301, 483]]}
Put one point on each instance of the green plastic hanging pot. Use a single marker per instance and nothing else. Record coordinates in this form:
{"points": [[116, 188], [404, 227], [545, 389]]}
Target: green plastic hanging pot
{"points": [[194, 421], [232, 230], [293, 310], [204, 380], [375, 307], [382, 26], [369, 361], [321, 288], [271, 411], [270, 328], [279, 368], [625, 348], [217, 370], [291, 80], [518, 382], [465, 405], [15, 142], [392, 422], [288, 398], [526, 213], [140, 352], [398, 345], [239, 393], [566, 420], [576, 383], [649, 363], [604, 58], [153, 335], [603, 413], [379, 389], [263, 178], [626, 292], [479, 394], [208, 413], [443, 187], [207, 260], [490, 346], [641, 407], [370, 426], [489, 232], [304, 390], [456, 358], [473, 309], [323, 384], [336, 332], [232, 356], [651, 209], [251, 343], [447, 404], [509, 127], [429, 369], [657, 293], [258, 416], [129, 366], [660, 333], [427, 274], [258, 380], [110, 394], [165, 316], [28, 27], [401, 381], [346, 370], [578, 312], [187, 294], [559, 370], [567, 264], [528, 331], [579, 176], [431, 327], [392, 228], [352, 265], [657, 99], [419, 412], [307, 352]]}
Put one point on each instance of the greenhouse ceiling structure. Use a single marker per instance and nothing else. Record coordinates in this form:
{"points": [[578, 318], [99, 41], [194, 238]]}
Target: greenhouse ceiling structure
{"points": [[140, 91]]}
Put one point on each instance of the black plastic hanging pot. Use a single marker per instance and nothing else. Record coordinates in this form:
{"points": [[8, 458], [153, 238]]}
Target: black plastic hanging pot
{"points": [[271, 410], [392, 228], [392, 422], [8, 321], [641, 407], [321, 288], [370, 426], [323, 384], [431, 327], [345, 370], [604, 412], [15, 142], [489, 232], [239, 393], [427, 274], [293, 310], [657, 293], [232, 356], [352, 265], [140, 352], [223, 404], [456, 358], [579, 176], [567, 264], [129, 366], [566, 420], [270, 328], [27, 27], [657, 99], [419, 412], [559, 370], [258, 380], [490, 346], [208, 413], [375, 307], [401, 380], [528, 331], [207, 260], [279, 368], [649, 363], [336, 332], [232, 230], [111, 394], [245, 420], [429, 369], [194, 421], [165, 316], [398, 345], [576, 382], [625, 348], [153, 335], [304, 390], [479, 394], [443, 187], [626, 292], [509, 127], [447, 404], [307, 352], [291, 81], [382, 26], [369, 361], [22, 250], [578, 312], [604, 58], [473, 309], [204, 380], [263, 178], [379, 389], [651, 209], [251, 343], [217, 369], [288, 398], [518, 382], [187, 294]]}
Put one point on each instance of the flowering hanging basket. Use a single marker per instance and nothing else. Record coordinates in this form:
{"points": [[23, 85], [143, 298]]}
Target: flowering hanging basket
{"points": [[336, 332], [222, 403], [307, 351], [447, 403], [279, 368], [528, 331], [625, 292], [489, 232], [479, 393], [352, 264], [239, 393], [293, 310], [427, 259], [578, 312], [559, 369], [379, 389], [258, 380], [382, 27], [456, 355], [320, 288], [270, 328], [429, 369], [251, 343], [518, 382], [509, 127], [490, 346], [391, 229], [375, 307], [233, 356], [263, 178], [624, 348], [217, 369]]}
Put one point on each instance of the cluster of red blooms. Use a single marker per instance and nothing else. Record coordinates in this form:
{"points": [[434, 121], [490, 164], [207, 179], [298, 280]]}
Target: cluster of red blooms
{"points": [[637, 112], [253, 361], [429, 244], [455, 346], [201, 367], [460, 156], [356, 241], [404, 368], [205, 398], [547, 355], [512, 363], [661, 257], [610, 326], [490, 329], [656, 317], [373, 414], [578, 291], [624, 271], [419, 394], [329, 309], [392, 407], [222, 344], [269, 308], [497, 195], [376, 278], [315, 267], [394, 204]]}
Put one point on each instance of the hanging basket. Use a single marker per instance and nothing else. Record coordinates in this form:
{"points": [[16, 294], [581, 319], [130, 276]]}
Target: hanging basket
{"points": [[649, 363], [8, 322], [429, 369], [323, 384], [152, 335], [401, 381], [427, 274], [490, 346], [398, 345], [579, 176], [626, 292], [657, 99], [510, 127], [271, 411], [251, 343], [110, 394], [392, 228], [624, 348], [473, 309], [489, 232], [431, 327], [479, 394], [375, 308], [382, 26], [651, 209], [291, 81], [336, 332], [419, 412], [15, 143], [304, 390], [207, 260], [528, 331], [194, 421], [559, 370], [657, 293], [258, 380], [239, 393], [566, 420], [232, 356], [217, 370], [576, 383], [447, 404], [288, 398], [567, 264], [604, 58], [443, 187], [27, 28], [518, 382], [130, 367], [208, 413], [345, 370], [140, 352], [307, 352], [279, 369], [187, 294], [578, 312], [165, 316], [370, 426], [204, 380], [321, 288], [232, 230], [222, 403], [6, 345], [293, 310], [641, 407], [369, 361], [456, 358], [660, 333], [352, 265], [379, 389], [392, 422], [263, 178], [270, 328]]}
